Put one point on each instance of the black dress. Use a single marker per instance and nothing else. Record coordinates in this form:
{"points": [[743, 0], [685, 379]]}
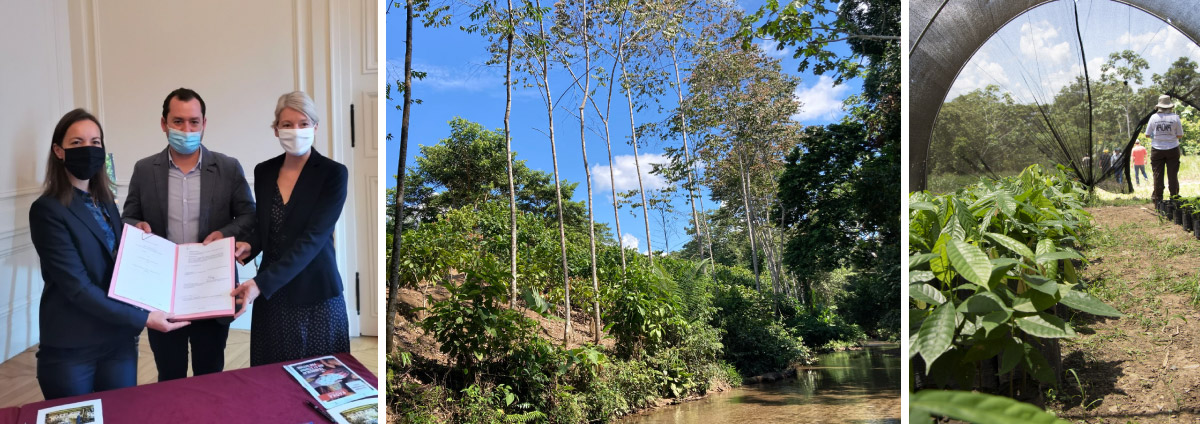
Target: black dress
{"points": [[282, 331]]}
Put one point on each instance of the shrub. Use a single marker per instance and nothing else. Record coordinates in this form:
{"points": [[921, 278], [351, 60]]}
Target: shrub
{"points": [[754, 342]]}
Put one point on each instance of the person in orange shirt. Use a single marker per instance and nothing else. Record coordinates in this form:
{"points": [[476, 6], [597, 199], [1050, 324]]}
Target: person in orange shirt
{"points": [[1139, 161]]}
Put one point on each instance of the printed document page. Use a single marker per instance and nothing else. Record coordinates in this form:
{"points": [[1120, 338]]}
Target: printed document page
{"points": [[145, 270], [204, 279]]}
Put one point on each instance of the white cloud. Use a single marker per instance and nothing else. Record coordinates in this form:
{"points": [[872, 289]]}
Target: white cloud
{"points": [[979, 72], [769, 48], [821, 101], [629, 241], [1037, 40], [1055, 81], [1135, 42], [1174, 45], [625, 172], [460, 78]]}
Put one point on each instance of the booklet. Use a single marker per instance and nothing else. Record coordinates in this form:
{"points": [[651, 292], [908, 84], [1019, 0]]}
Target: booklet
{"points": [[191, 280], [88, 412], [330, 381], [363, 411]]}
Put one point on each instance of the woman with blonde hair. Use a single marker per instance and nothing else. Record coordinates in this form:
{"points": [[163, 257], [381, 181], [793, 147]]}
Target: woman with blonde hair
{"points": [[300, 311]]}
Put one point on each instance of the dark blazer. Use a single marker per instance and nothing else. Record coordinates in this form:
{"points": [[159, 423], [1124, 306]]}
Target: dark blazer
{"points": [[225, 202], [305, 271], [77, 268]]}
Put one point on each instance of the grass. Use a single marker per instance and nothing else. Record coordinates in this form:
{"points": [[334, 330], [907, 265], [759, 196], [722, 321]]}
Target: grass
{"points": [[1189, 184]]}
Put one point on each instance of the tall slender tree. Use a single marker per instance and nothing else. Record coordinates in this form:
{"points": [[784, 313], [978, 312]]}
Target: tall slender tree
{"points": [[509, 29], [398, 221], [539, 49], [571, 28]]}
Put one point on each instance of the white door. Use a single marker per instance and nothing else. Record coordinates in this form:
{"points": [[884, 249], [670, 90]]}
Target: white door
{"points": [[365, 96]]}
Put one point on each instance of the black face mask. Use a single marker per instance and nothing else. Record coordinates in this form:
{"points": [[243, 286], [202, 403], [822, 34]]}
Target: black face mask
{"points": [[84, 162]]}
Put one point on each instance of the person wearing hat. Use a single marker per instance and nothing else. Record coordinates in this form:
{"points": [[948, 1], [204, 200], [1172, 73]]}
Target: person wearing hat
{"points": [[1164, 131]]}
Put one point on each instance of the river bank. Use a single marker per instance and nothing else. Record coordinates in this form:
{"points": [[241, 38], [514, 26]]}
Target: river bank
{"points": [[848, 386]]}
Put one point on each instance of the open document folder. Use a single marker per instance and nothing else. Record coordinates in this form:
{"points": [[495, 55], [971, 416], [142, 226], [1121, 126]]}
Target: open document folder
{"points": [[191, 280]]}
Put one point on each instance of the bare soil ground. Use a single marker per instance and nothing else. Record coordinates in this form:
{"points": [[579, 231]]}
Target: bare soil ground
{"points": [[1144, 367]]}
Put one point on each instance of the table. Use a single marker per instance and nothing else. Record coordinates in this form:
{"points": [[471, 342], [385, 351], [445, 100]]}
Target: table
{"points": [[262, 394], [9, 415]]}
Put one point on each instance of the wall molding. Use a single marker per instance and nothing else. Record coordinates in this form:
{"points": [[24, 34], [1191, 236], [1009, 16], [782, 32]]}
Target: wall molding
{"points": [[370, 35], [301, 44], [369, 103], [31, 327], [17, 248], [371, 212], [20, 192]]}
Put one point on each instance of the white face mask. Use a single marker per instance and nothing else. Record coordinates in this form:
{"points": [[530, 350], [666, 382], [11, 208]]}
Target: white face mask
{"points": [[296, 141]]}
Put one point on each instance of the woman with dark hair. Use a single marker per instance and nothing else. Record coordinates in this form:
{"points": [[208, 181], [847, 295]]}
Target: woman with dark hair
{"points": [[301, 312], [88, 341]]}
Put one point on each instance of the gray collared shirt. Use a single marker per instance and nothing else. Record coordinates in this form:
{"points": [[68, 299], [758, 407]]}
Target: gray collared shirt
{"points": [[183, 202]]}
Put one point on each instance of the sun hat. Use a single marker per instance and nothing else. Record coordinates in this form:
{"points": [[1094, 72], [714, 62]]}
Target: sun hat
{"points": [[1164, 102]]}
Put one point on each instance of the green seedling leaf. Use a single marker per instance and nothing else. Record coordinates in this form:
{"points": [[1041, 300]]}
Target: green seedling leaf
{"points": [[1045, 326], [926, 293], [937, 333], [984, 303], [979, 408], [969, 261], [1081, 301], [1011, 244]]}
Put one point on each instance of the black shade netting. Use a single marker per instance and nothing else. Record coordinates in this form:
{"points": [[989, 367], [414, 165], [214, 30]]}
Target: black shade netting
{"points": [[1065, 83]]}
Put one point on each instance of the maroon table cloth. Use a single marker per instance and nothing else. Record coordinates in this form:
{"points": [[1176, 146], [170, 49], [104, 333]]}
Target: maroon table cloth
{"points": [[9, 415], [262, 394]]}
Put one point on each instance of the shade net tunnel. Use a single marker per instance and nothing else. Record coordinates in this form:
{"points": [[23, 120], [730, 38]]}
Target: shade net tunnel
{"points": [[996, 86]]}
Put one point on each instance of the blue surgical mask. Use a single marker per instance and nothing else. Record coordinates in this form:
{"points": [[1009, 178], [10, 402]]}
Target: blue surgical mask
{"points": [[183, 142]]}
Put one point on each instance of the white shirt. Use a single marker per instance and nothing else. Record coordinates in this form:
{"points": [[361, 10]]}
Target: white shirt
{"points": [[1164, 130]]}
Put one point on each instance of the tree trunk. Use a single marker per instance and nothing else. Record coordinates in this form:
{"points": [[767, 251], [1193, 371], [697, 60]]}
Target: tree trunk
{"points": [[562, 229], [398, 225], [687, 155], [749, 222], [611, 175], [588, 175], [637, 165], [512, 192]]}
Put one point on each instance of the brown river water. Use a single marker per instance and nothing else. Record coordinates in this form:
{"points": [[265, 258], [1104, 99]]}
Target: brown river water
{"points": [[860, 386]]}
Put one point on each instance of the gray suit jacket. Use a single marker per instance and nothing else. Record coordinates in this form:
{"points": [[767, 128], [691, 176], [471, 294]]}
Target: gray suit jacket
{"points": [[226, 203]]}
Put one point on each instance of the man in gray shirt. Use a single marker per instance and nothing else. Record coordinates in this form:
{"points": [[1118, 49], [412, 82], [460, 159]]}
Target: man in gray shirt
{"points": [[189, 194]]}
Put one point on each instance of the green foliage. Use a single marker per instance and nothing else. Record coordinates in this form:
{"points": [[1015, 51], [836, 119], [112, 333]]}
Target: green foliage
{"points": [[987, 264], [754, 341], [471, 325], [487, 404], [413, 402], [468, 168], [811, 26], [822, 328], [978, 408]]}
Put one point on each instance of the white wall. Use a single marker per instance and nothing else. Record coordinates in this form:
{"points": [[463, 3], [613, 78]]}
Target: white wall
{"points": [[35, 90], [119, 59]]}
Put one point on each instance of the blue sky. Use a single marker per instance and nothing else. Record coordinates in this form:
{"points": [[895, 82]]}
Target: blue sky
{"points": [[1037, 53], [460, 84]]}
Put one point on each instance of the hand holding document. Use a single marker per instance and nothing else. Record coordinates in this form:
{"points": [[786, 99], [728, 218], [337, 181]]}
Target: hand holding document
{"points": [[191, 281]]}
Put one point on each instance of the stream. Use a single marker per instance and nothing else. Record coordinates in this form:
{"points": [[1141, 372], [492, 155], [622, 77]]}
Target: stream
{"points": [[860, 386]]}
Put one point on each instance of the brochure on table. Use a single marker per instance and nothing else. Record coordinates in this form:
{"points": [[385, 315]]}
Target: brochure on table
{"points": [[86, 412], [190, 280], [362, 411], [329, 381]]}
